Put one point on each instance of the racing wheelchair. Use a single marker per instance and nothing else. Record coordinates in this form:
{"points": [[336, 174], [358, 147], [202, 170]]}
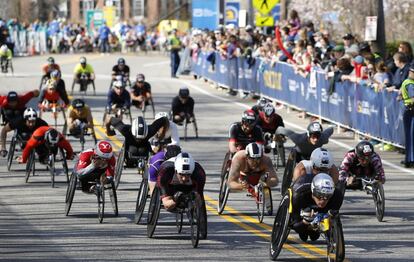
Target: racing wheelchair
{"points": [[118, 112], [17, 139], [99, 191], [327, 224], [187, 203], [5, 65], [55, 108], [81, 133], [55, 154], [83, 82], [260, 193]]}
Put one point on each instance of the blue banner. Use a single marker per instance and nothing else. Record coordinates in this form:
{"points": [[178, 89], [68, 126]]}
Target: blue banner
{"points": [[353, 105], [232, 13], [205, 14]]}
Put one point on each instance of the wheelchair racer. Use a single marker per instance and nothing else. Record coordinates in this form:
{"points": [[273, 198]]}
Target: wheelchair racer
{"points": [[140, 92], [25, 128], [43, 140], [168, 133], [50, 97], [312, 194], [182, 107], [120, 70], [258, 107], [305, 143], [48, 68], [321, 161], [244, 132], [137, 136], [56, 76], [83, 68], [79, 116], [248, 167], [118, 97], [13, 105], [96, 163], [359, 162], [6, 56], [269, 121]]}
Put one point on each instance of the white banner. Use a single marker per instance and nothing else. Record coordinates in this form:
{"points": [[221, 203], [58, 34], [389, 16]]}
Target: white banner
{"points": [[371, 28]]}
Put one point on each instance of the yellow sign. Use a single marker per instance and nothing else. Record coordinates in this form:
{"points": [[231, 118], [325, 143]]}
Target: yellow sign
{"points": [[264, 20], [264, 6], [109, 15]]}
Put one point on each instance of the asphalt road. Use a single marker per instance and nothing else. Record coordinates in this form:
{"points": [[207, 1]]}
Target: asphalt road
{"points": [[33, 225]]}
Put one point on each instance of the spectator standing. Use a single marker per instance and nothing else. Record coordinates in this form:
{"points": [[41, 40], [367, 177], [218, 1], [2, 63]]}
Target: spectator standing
{"points": [[401, 61], [175, 47], [104, 33], [350, 46]]}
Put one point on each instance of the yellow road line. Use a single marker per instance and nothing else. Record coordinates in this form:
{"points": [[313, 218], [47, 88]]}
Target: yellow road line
{"points": [[259, 233]]}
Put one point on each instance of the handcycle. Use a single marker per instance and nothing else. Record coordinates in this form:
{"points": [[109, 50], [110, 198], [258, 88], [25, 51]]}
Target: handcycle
{"points": [[5, 65], [100, 188], [119, 112], [260, 193], [327, 224], [55, 108], [82, 133], [187, 203], [84, 81], [17, 139], [375, 188], [51, 159]]}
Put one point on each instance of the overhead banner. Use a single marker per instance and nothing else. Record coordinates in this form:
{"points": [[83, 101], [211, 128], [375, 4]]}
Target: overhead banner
{"points": [[205, 14], [352, 105], [232, 10]]}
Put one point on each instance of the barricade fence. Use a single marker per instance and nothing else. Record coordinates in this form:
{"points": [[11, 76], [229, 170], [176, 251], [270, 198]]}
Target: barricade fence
{"points": [[351, 105]]}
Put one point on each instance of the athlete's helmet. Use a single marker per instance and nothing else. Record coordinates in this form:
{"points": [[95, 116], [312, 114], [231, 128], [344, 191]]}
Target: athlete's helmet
{"points": [[254, 150], [364, 149], [82, 60], [140, 78], [321, 158], [121, 61], [322, 186], [78, 103], [103, 149], [172, 151], [268, 109], [262, 102], [52, 136], [249, 117], [51, 60], [314, 128], [4, 48], [118, 84], [184, 92], [161, 114], [184, 164], [30, 114], [12, 96], [139, 128], [55, 74]]}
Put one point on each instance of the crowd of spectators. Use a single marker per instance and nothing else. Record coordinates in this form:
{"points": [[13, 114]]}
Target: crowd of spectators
{"points": [[63, 37]]}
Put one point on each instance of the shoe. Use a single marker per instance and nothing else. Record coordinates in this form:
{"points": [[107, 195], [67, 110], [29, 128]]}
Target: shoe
{"points": [[314, 236], [303, 236]]}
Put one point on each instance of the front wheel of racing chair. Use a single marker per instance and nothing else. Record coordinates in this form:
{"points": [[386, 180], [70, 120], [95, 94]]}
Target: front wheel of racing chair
{"points": [[335, 240], [186, 122], [30, 165], [70, 192], [12, 149], [264, 202], [142, 197]]}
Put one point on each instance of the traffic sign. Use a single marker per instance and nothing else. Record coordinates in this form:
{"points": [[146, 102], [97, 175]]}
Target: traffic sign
{"points": [[264, 20], [264, 6]]}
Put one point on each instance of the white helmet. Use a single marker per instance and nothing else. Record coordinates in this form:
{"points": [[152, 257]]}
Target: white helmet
{"points": [[321, 158], [30, 114], [4, 48], [104, 149], [161, 114], [254, 150], [268, 109], [184, 164], [118, 84], [82, 60], [139, 128], [322, 185]]}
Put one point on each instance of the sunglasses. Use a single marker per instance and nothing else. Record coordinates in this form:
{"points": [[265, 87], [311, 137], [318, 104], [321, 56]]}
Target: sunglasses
{"points": [[321, 197], [321, 169]]}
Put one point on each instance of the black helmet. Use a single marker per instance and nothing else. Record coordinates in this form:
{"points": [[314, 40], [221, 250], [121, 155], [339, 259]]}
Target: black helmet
{"points": [[314, 128], [51, 60], [121, 61], [172, 151], [78, 103], [364, 149], [12, 96], [184, 92], [52, 137], [140, 78], [249, 117]]}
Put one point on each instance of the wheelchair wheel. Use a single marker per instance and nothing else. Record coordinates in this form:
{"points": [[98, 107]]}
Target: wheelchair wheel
{"points": [[281, 228], [113, 197], [195, 128], [268, 201], [141, 200], [203, 221], [11, 67], [185, 129], [93, 86], [260, 201], [379, 200], [100, 193], [153, 212], [119, 166], [223, 194], [70, 192], [335, 241], [279, 155], [64, 164], [10, 155], [73, 86], [52, 168], [30, 165], [194, 219], [179, 221], [153, 107], [226, 164], [288, 173]]}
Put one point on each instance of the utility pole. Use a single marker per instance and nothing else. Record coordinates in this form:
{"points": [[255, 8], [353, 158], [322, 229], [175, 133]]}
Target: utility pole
{"points": [[283, 9], [377, 9]]}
